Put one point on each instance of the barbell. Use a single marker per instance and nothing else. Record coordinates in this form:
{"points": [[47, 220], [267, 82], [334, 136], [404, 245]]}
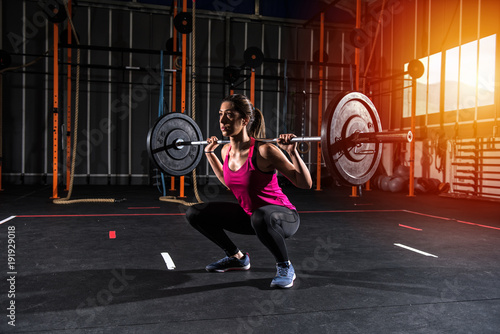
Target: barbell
{"points": [[351, 137]]}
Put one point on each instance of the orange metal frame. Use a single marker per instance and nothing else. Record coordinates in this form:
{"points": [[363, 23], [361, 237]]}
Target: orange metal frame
{"points": [[174, 86], [252, 86], [183, 87], [55, 134], [354, 189], [411, 186]]}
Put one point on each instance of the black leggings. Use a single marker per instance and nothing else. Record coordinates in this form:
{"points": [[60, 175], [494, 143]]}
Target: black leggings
{"points": [[272, 224]]}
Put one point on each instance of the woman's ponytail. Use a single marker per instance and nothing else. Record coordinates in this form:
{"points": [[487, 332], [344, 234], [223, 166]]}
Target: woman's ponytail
{"points": [[257, 127]]}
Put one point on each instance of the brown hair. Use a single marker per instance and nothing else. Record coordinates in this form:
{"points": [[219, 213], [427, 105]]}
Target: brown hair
{"points": [[256, 127]]}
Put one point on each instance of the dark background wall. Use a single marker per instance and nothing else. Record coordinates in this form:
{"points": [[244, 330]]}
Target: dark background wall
{"points": [[117, 106]]}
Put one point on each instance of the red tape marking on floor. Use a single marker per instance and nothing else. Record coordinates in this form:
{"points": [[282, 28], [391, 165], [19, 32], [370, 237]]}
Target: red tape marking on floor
{"points": [[450, 219], [413, 228], [469, 223], [103, 215], [143, 208]]}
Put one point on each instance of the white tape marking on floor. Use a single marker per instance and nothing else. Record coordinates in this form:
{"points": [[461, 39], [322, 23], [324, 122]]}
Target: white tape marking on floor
{"points": [[6, 220], [415, 250], [168, 261]]}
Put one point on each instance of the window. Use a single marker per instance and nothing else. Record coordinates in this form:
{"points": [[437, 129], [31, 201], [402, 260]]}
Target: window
{"points": [[486, 71], [469, 72], [428, 86]]}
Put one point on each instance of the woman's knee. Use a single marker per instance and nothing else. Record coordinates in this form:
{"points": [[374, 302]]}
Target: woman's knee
{"points": [[277, 220], [262, 220]]}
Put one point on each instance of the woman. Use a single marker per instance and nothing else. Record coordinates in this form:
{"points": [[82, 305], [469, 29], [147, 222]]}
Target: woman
{"points": [[249, 171]]}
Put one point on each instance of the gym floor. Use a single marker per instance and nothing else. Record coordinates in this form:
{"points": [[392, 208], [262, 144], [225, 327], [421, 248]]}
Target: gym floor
{"points": [[380, 263]]}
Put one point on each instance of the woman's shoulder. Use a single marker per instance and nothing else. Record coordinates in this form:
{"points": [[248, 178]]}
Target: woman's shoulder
{"points": [[267, 150]]}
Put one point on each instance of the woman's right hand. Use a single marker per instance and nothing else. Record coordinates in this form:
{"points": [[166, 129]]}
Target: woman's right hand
{"points": [[212, 144]]}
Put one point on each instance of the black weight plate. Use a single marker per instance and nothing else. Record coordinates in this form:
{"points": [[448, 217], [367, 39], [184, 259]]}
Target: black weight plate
{"points": [[57, 13], [168, 157], [415, 68], [349, 163], [231, 73], [253, 57], [183, 22]]}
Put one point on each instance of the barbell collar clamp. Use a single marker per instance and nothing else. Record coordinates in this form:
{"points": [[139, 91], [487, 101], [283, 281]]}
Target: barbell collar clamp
{"points": [[381, 137]]}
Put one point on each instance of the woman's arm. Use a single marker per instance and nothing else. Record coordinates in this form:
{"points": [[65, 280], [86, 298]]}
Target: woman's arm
{"points": [[294, 169], [213, 160]]}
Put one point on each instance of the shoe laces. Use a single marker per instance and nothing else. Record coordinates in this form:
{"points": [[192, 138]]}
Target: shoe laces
{"points": [[283, 270], [227, 259]]}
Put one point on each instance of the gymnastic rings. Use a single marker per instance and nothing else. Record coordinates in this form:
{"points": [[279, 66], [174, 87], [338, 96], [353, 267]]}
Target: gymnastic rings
{"points": [[304, 147]]}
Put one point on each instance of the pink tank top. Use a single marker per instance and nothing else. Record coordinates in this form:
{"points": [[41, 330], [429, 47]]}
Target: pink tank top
{"points": [[253, 188]]}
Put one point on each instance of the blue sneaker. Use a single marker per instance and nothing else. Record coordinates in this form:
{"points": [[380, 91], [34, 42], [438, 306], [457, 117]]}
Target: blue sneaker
{"points": [[285, 275], [229, 263]]}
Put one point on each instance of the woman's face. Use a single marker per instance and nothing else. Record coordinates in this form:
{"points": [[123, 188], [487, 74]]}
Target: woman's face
{"points": [[231, 121]]}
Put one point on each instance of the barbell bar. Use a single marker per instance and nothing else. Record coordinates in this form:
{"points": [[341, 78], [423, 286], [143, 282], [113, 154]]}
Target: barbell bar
{"points": [[356, 138], [181, 143], [351, 135]]}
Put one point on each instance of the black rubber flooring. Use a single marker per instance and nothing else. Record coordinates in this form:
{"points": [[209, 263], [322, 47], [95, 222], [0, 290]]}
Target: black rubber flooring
{"points": [[380, 263]]}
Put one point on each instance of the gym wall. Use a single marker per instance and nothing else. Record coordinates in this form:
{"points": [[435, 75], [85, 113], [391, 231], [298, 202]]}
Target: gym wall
{"points": [[118, 105]]}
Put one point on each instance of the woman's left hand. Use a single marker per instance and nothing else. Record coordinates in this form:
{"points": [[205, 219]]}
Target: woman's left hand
{"points": [[285, 144]]}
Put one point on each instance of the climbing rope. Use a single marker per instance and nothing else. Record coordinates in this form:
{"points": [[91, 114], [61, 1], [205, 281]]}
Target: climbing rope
{"points": [[33, 62], [193, 108], [67, 200]]}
